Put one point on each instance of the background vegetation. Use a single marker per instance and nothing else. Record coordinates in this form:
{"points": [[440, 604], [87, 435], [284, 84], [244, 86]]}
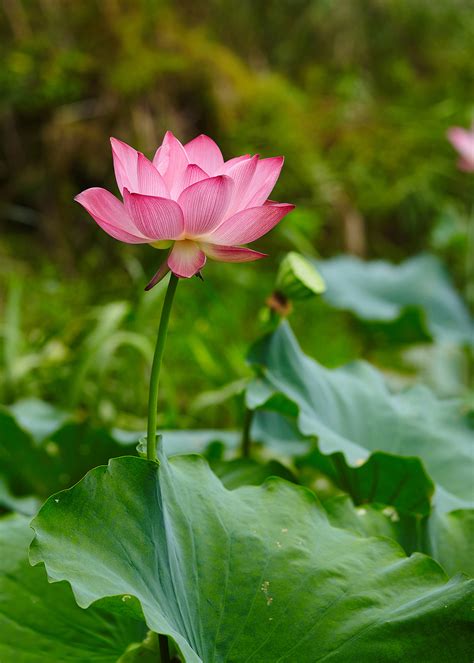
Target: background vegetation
{"points": [[357, 94]]}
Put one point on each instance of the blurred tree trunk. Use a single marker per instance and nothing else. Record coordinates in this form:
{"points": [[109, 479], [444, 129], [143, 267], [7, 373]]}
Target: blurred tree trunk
{"points": [[355, 241]]}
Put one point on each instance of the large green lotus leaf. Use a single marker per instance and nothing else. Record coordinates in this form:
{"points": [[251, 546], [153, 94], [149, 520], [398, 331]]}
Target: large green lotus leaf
{"points": [[447, 537], [41, 420], [404, 485], [41, 453], [249, 472], [44, 422], [26, 505], [198, 441], [378, 443], [41, 623], [43, 450], [368, 519], [383, 478], [380, 291], [279, 433], [253, 574]]}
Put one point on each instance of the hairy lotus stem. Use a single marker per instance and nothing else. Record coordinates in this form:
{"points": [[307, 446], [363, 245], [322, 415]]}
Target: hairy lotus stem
{"points": [[153, 406], [156, 366]]}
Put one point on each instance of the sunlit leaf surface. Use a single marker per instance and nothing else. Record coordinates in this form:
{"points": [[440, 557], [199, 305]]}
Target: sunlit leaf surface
{"points": [[253, 574]]}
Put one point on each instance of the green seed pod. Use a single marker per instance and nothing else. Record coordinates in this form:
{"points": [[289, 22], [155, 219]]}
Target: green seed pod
{"points": [[298, 279]]}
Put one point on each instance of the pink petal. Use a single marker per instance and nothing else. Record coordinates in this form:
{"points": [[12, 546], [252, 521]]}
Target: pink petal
{"points": [[110, 214], [205, 153], [266, 175], [467, 166], [150, 182], [242, 174], [157, 218], [230, 253], [186, 259], [121, 235], [125, 165], [232, 162], [463, 141], [192, 174], [204, 204], [171, 162], [248, 224], [160, 160]]}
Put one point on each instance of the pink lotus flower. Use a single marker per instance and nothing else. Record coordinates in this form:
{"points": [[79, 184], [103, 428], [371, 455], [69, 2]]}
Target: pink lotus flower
{"points": [[463, 141], [191, 199]]}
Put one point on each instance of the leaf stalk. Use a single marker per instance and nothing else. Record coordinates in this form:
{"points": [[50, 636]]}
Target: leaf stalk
{"points": [[156, 366]]}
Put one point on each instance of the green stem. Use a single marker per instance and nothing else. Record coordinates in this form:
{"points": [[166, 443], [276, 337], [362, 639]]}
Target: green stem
{"points": [[164, 649], [153, 406], [155, 369]]}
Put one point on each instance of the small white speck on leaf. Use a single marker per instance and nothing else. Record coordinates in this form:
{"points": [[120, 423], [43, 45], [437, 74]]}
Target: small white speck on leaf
{"points": [[264, 588]]}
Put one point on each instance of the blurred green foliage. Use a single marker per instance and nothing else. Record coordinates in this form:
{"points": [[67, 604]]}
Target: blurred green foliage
{"points": [[357, 95]]}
